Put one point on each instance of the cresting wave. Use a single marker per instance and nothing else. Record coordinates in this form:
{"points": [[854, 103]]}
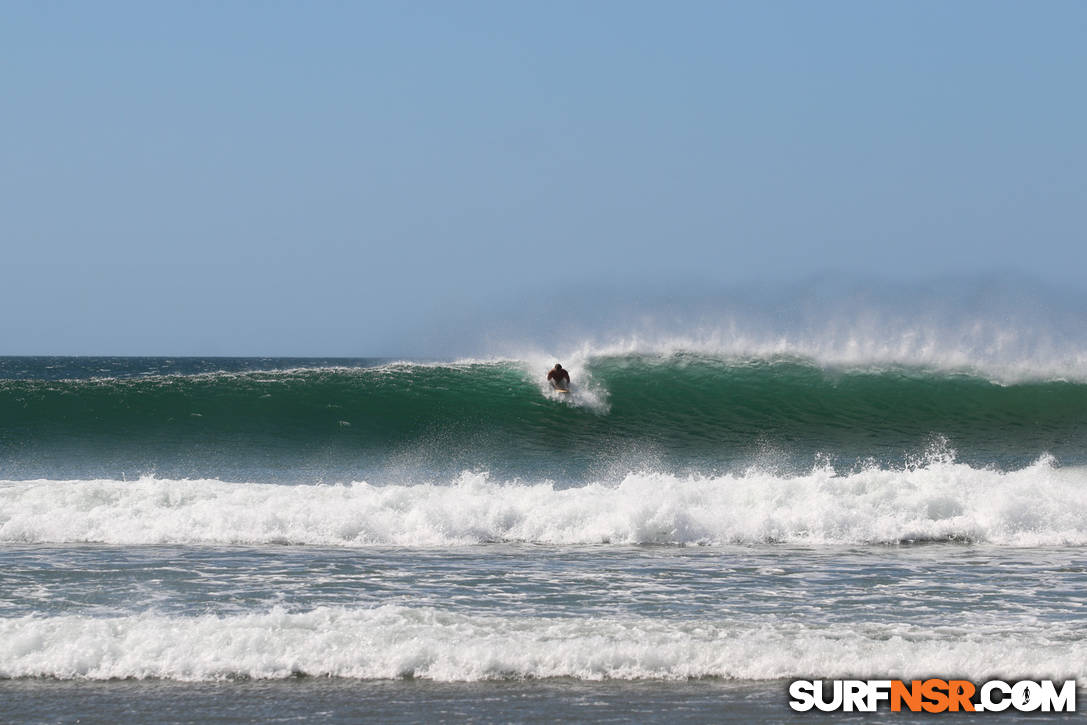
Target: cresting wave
{"points": [[683, 411], [1040, 505], [397, 642]]}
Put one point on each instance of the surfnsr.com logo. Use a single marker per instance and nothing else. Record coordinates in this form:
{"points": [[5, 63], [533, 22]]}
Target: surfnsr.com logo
{"points": [[933, 695]]}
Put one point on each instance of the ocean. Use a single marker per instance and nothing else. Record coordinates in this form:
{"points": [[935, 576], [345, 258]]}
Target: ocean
{"points": [[333, 540]]}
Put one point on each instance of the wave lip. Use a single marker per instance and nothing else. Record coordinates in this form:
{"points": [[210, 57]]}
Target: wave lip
{"points": [[403, 642], [1040, 505]]}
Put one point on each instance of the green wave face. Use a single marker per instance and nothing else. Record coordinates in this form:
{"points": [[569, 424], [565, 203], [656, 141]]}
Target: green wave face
{"points": [[679, 412]]}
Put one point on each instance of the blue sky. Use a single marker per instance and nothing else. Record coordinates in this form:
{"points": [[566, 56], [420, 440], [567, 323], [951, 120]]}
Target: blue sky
{"points": [[342, 178]]}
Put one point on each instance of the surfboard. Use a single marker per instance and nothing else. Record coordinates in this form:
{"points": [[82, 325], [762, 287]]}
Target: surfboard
{"points": [[562, 390]]}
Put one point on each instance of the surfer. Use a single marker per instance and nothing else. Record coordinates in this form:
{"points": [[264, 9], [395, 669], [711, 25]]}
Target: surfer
{"points": [[558, 377]]}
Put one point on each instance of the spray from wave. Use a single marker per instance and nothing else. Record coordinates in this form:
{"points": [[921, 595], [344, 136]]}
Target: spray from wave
{"points": [[1001, 328]]}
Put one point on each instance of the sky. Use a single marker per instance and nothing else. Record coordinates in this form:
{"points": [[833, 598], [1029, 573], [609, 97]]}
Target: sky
{"points": [[386, 178]]}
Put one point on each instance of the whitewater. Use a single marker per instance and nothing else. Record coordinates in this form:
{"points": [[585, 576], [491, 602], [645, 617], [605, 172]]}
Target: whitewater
{"points": [[389, 642], [1041, 505]]}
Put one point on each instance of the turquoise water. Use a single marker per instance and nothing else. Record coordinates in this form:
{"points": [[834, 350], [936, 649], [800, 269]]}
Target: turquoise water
{"points": [[345, 420]]}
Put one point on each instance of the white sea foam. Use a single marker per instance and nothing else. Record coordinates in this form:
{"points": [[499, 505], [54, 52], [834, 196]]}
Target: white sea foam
{"points": [[396, 641], [1040, 505]]}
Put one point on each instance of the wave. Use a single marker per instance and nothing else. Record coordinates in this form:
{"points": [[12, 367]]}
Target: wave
{"points": [[680, 409], [405, 642], [1040, 505]]}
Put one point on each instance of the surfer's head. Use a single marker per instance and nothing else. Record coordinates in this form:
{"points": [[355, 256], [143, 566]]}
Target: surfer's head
{"points": [[558, 367]]}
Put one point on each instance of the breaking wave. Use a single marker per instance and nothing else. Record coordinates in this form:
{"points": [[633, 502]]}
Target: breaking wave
{"points": [[679, 411], [407, 642], [941, 500]]}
